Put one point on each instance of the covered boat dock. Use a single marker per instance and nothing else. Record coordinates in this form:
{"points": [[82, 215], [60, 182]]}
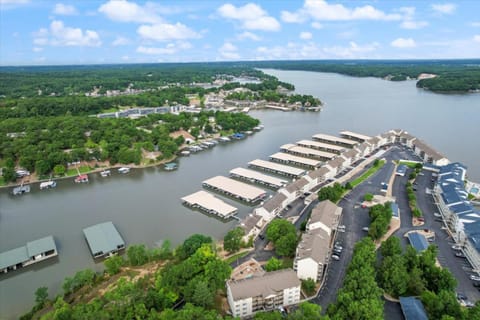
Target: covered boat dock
{"points": [[294, 160], [257, 177], [235, 189], [276, 168], [103, 239], [208, 203], [307, 152], [326, 138], [355, 136], [34, 251], [321, 146]]}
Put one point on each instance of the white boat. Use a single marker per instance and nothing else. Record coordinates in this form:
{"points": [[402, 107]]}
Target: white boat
{"points": [[105, 173], [185, 153], [224, 139], [21, 190], [48, 185], [124, 170]]}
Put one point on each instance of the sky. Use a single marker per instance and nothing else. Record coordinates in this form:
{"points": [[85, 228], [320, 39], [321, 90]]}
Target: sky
{"points": [[48, 32]]}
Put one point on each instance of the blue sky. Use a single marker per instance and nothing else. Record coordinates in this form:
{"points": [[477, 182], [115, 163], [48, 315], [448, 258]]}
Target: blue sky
{"points": [[119, 31]]}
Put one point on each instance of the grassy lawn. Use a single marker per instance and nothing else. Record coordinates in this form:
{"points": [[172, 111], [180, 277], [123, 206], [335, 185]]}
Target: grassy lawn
{"points": [[236, 256], [74, 172], [2, 182], [110, 110], [409, 164], [367, 174]]}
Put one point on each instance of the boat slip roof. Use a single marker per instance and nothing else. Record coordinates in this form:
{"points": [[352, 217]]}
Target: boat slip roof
{"points": [[320, 145], [294, 159], [277, 167], [251, 174], [209, 202], [327, 137], [22, 254], [355, 135], [308, 152], [103, 237], [234, 187]]}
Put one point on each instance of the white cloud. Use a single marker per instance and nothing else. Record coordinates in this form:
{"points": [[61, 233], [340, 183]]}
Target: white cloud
{"points": [[60, 35], [125, 11], [316, 25], [251, 16], [352, 51], [11, 4], [169, 49], [121, 41], [475, 24], [403, 43], [411, 24], [37, 49], [305, 35], [166, 31], [476, 38], [125, 58], [445, 8], [248, 35], [64, 9], [323, 11], [229, 51]]}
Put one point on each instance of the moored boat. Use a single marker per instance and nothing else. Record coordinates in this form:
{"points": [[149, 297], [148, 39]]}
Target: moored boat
{"points": [[81, 178], [105, 173], [21, 190], [124, 170], [48, 185], [170, 166]]}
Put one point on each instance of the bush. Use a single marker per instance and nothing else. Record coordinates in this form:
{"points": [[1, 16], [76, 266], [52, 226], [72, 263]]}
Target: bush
{"points": [[308, 286], [368, 197]]}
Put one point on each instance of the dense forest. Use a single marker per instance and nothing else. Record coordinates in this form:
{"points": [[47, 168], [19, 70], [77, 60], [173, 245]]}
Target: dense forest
{"points": [[452, 75]]}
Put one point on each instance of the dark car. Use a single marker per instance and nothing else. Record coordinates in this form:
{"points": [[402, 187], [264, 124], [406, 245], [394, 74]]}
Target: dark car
{"points": [[261, 236]]}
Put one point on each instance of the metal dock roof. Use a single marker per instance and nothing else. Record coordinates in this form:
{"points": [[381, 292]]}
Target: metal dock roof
{"points": [[210, 203], [354, 135], [307, 152], [24, 253], [40, 246], [418, 241], [275, 167], [333, 139], [237, 189], [288, 158], [103, 238], [413, 309], [320, 145], [258, 177]]}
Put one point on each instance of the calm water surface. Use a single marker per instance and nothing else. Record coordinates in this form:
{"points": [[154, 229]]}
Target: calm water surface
{"points": [[145, 204]]}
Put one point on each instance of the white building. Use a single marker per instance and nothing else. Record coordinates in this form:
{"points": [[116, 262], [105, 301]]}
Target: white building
{"points": [[312, 254], [262, 293], [325, 216]]}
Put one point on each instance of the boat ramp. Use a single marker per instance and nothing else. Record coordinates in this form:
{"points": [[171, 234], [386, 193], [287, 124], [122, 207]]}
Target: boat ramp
{"points": [[307, 152], [277, 168], [210, 204], [235, 189], [294, 160], [257, 177]]}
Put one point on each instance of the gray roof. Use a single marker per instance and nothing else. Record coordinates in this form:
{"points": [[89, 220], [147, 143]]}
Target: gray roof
{"points": [[274, 202], [407, 136], [319, 173], [350, 153], [337, 162], [271, 283], [40, 246], [413, 309], [249, 222], [418, 241], [374, 140], [314, 245], [103, 238], [296, 185], [434, 154], [325, 212]]}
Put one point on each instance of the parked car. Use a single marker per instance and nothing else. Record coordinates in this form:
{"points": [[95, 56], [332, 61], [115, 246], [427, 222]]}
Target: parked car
{"points": [[474, 277], [338, 252], [476, 284], [461, 296], [456, 247], [365, 229], [335, 257], [261, 236], [436, 214], [339, 247], [461, 255]]}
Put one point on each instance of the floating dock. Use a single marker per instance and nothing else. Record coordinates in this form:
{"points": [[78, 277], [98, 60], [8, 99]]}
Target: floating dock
{"points": [[326, 138], [355, 136], [321, 146], [257, 177], [277, 168], [33, 252], [103, 239], [235, 189], [210, 204], [307, 152], [294, 160]]}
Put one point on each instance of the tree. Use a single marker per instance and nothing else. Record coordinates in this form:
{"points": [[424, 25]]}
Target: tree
{"points": [[391, 247], [272, 315], [191, 244], [273, 264], [59, 170], [217, 272], [203, 296], [306, 310], [113, 264], [278, 228], [233, 240], [308, 286], [9, 174], [41, 295], [368, 197], [137, 255], [393, 276], [286, 245]]}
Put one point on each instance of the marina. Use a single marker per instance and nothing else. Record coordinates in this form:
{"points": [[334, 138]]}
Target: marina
{"points": [[294, 160], [257, 177], [321, 146], [306, 152], [276, 168], [326, 138], [235, 189], [33, 252], [210, 204], [103, 239]]}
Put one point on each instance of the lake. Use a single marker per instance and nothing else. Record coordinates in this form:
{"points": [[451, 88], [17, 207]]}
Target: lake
{"points": [[145, 204]]}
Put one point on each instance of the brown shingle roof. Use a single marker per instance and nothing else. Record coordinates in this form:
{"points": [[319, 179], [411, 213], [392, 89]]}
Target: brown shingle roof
{"points": [[428, 150], [296, 185], [314, 245], [325, 212], [319, 173], [274, 202], [250, 221]]}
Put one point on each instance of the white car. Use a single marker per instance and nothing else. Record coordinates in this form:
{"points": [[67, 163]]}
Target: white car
{"points": [[456, 247], [472, 277], [335, 257], [436, 214], [365, 229]]}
